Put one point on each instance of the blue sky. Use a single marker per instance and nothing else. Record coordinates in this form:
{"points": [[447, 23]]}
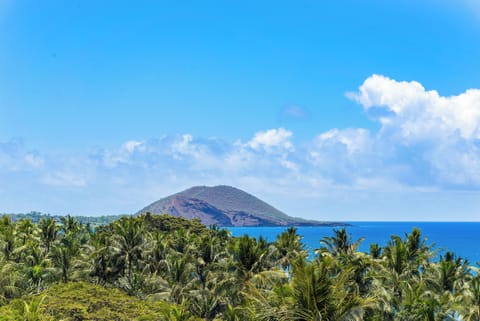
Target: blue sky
{"points": [[335, 110]]}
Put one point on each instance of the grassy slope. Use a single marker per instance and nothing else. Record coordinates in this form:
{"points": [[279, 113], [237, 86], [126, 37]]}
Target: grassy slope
{"points": [[84, 301]]}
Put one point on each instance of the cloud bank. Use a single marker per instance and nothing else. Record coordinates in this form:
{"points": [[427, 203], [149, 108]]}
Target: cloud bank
{"points": [[426, 143], [436, 137]]}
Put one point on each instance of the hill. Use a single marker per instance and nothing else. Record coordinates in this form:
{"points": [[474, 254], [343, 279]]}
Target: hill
{"points": [[224, 206]]}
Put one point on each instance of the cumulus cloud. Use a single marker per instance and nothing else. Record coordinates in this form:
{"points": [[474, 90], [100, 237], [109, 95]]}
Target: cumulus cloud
{"points": [[415, 114], [352, 141], [272, 140], [437, 137], [426, 142]]}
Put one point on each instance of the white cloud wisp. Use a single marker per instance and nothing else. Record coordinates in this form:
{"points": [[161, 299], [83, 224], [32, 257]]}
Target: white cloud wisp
{"points": [[426, 143]]}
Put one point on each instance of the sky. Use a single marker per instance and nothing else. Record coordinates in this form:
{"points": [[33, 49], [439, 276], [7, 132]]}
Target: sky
{"points": [[329, 110]]}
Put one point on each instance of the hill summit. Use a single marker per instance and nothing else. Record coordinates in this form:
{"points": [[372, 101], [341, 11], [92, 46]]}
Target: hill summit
{"points": [[224, 206]]}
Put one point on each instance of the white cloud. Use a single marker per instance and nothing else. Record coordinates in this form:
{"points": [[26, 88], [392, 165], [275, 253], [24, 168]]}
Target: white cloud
{"points": [[455, 163], [34, 160], [272, 139], [414, 114], [352, 140], [436, 137], [123, 155], [183, 146], [14, 156], [133, 145], [427, 143], [289, 164]]}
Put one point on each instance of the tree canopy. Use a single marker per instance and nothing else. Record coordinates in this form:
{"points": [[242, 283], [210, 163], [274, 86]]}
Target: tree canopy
{"points": [[159, 267]]}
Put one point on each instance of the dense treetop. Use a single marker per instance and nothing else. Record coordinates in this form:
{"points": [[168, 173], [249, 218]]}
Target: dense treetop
{"points": [[166, 268]]}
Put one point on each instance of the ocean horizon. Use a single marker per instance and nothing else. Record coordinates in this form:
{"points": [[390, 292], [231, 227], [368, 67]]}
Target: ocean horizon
{"points": [[462, 238]]}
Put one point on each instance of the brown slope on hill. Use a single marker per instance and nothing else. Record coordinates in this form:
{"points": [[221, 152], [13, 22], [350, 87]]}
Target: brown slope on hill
{"points": [[223, 206]]}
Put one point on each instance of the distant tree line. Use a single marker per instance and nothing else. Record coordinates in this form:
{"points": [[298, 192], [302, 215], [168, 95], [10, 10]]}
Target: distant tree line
{"points": [[36, 217]]}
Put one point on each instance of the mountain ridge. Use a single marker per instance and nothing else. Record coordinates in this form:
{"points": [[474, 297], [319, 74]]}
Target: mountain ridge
{"points": [[224, 205]]}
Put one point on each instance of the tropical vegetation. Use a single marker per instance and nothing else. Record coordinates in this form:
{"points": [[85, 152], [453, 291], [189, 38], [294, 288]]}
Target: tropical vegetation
{"points": [[154, 267]]}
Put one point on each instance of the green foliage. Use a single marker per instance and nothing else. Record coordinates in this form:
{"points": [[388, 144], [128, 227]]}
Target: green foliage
{"points": [[167, 223], [153, 267], [82, 301]]}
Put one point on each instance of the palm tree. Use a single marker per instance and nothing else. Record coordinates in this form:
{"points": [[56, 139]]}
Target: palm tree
{"points": [[183, 241], [375, 251], [36, 268], [48, 232], [469, 304], [156, 255], [399, 279], [69, 225], [418, 252], [64, 254], [321, 292], [25, 231], [340, 244], [449, 275], [209, 293], [9, 280], [128, 242], [289, 245], [100, 259], [204, 303], [249, 255], [143, 285], [179, 277], [8, 237]]}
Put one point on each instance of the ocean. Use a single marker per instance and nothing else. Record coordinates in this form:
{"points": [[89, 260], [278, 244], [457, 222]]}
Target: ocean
{"points": [[462, 238]]}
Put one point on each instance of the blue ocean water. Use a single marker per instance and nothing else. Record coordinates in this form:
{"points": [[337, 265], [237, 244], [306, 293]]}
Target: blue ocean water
{"points": [[463, 238]]}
